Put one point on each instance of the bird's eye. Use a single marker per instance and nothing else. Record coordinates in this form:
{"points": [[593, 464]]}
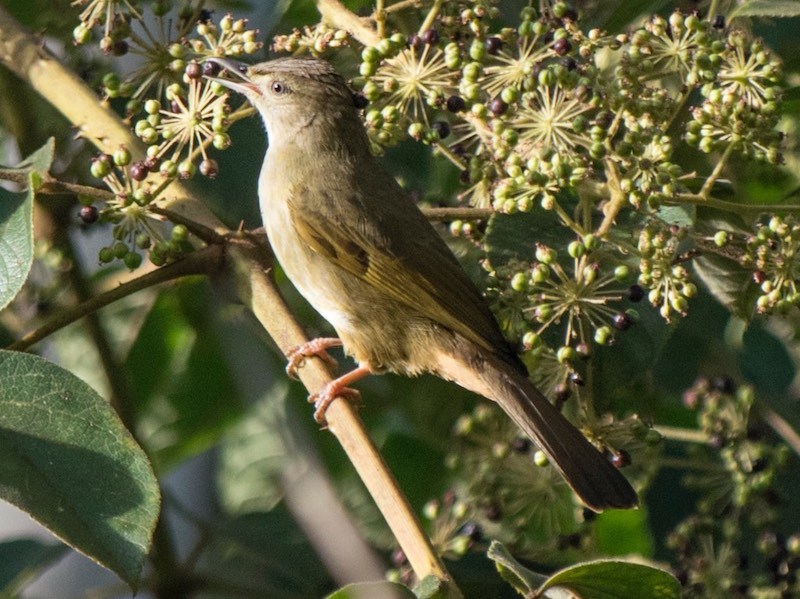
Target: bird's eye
{"points": [[277, 87]]}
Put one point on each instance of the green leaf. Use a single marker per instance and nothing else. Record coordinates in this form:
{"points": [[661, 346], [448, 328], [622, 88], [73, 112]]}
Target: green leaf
{"points": [[368, 590], [185, 393], [609, 579], [69, 462], [767, 8], [253, 455], [264, 555], [729, 282], [16, 222], [518, 576], [21, 560], [623, 532]]}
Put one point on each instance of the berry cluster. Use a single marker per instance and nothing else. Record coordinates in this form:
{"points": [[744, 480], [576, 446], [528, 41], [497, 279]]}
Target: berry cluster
{"points": [[175, 111]]}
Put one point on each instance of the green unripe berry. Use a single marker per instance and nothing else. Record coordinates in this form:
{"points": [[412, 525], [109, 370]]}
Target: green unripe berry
{"points": [[540, 459], [179, 233], [566, 354], [120, 249], [132, 260], [105, 255]]}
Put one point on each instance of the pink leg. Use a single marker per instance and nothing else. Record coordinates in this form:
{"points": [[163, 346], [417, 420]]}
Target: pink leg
{"points": [[334, 389], [315, 347]]}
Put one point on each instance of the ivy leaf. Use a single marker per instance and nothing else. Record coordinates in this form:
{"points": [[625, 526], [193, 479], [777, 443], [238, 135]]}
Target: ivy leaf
{"points": [[388, 590], [611, 579], [767, 8], [604, 579], [16, 221], [70, 463]]}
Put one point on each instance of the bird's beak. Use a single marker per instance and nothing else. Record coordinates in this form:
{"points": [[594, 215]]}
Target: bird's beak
{"points": [[242, 83]]}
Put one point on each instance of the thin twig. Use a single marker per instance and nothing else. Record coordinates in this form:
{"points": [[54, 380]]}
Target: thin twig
{"points": [[202, 261], [334, 13]]}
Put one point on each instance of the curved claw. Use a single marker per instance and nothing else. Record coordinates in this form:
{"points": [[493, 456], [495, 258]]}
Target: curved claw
{"points": [[336, 388], [314, 347], [325, 398]]}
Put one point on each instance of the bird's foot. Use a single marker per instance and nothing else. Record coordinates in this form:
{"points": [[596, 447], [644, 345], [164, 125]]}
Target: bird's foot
{"points": [[336, 388], [315, 347]]}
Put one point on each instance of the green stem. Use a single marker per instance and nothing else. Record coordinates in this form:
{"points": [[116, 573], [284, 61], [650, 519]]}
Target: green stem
{"points": [[431, 17], [448, 153], [687, 435], [705, 191], [745, 209]]}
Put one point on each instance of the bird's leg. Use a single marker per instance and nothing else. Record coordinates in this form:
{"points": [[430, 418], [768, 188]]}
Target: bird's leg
{"points": [[337, 388], [315, 347]]}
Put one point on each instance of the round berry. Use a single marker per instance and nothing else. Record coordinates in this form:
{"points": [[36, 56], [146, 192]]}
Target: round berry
{"points": [[493, 45], [132, 260], [211, 69], [621, 458], [360, 101], [209, 168], [622, 321], [497, 106], [138, 171], [119, 48], [89, 214], [636, 293], [194, 70], [430, 37], [455, 104], [442, 128], [562, 46]]}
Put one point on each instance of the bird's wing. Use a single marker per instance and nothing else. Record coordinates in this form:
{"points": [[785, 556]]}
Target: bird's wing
{"points": [[396, 250]]}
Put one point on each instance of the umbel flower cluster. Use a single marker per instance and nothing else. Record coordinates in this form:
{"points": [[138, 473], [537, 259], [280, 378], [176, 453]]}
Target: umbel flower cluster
{"points": [[545, 116], [173, 109]]}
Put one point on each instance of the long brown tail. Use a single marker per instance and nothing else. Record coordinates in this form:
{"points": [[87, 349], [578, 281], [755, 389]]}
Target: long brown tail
{"points": [[595, 480]]}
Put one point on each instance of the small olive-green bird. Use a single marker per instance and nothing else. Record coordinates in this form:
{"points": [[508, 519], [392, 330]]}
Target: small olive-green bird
{"points": [[366, 258]]}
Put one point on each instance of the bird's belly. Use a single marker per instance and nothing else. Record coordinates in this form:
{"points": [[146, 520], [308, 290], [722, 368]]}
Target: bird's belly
{"points": [[376, 330]]}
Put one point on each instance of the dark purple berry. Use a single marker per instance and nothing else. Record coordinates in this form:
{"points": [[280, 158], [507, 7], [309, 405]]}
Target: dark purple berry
{"points": [[493, 44], [561, 393], [211, 69], [636, 293], [138, 171], [89, 214], [569, 63], [576, 379], [622, 321], [104, 157], [193, 70], [493, 512], [473, 531], [442, 128], [719, 22], [150, 163], [521, 445], [458, 149], [415, 41], [621, 458], [360, 101], [205, 15], [455, 104], [430, 37], [119, 48], [723, 384], [759, 276], [497, 106], [464, 176], [562, 46]]}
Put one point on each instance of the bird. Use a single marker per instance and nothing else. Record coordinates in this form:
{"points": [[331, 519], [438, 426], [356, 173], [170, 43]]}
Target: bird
{"points": [[358, 248]]}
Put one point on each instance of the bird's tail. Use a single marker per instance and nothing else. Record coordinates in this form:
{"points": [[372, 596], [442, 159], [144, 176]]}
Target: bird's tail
{"points": [[595, 480]]}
